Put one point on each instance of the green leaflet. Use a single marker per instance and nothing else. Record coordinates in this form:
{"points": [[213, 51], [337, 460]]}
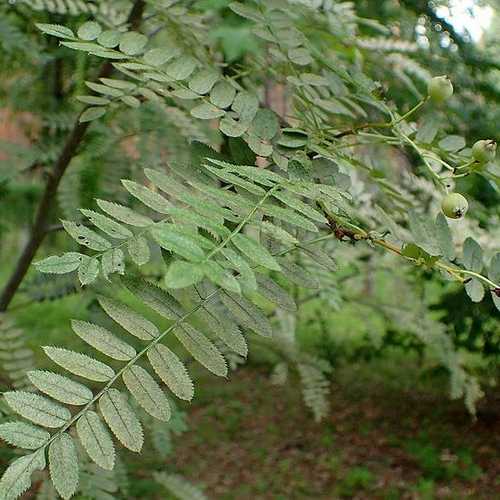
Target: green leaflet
{"points": [[300, 56], [124, 214], [97, 87], [107, 225], [207, 111], [60, 388], [80, 364], [173, 240], [128, 319], [473, 255], [109, 39], [277, 233], [236, 202], [147, 392], [154, 297], [236, 181], [17, 478], [201, 349], [91, 114], [138, 250], [63, 465], [232, 128], [192, 234], [255, 252], [475, 290], [66, 263], [290, 217], [259, 146], [133, 43], [24, 435], [172, 371], [113, 261], [222, 94], [88, 270], [181, 68], [185, 94], [443, 235], [181, 274], [103, 340], [494, 275], [89, 31], [247, 12], [300, 206], [203, 81], [85, 236], [247, 314], [260, 175], [206, 207], [131, 101], [246, 277], [246, 105], [424, 232], [167, 184], [494, 270], [151, 199], [96, 440], [320, 257], [265, 124], [273, 292], [220, 276], [223, 328], [121, 419], [297, 275], [188, 217], [38, 409], [158, 56], [55, 30]]}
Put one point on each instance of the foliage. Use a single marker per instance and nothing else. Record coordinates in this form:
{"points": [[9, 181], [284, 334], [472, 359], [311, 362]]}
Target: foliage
{"points": [[229, 211]]}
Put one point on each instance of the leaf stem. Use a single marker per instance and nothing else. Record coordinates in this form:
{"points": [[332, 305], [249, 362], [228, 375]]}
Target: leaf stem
{"points": [[411, 111]]}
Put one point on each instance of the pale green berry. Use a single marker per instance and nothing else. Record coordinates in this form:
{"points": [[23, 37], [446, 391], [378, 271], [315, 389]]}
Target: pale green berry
{"points": [[484, 151], [440, 89], [454, 205]]}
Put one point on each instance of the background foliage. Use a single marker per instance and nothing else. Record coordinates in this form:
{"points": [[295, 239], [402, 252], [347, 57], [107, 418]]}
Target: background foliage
{"points": [[284, 171]]}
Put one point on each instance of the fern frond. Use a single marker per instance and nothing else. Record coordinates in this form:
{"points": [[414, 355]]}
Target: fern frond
{"points": [[16, 359], [315, 389], [179, 486], [387, 45], [107, 12], [313, 371]]}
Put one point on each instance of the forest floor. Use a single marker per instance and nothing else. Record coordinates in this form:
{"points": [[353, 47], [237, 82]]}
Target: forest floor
{"points": [[392, 432], [385, 438]]}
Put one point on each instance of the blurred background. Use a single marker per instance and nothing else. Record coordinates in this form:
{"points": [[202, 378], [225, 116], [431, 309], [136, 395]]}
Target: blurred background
{"points": [[371, 416]]}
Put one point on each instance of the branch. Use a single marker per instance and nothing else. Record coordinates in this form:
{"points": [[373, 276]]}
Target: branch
{"points": [[39, 229], [354, 234]]}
